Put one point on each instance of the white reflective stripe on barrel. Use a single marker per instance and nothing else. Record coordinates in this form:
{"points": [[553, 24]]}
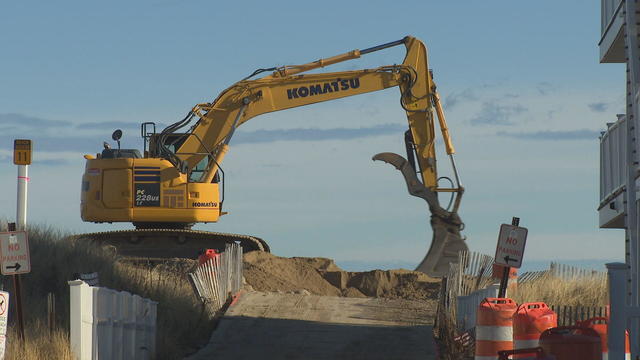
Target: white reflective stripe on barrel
{"points": [[605, 356], [486, 357], [494, 333], [525, 344]]}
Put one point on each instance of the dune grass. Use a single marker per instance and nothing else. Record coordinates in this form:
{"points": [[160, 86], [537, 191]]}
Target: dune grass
{"points": [[183, 325], [38, 344], [588, 291]]}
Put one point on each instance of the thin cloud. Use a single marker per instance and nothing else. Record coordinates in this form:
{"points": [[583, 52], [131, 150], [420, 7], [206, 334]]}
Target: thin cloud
{"points": [[53, 144], [369, 109], [582, 134], [267, 136], [14, 122], [90, 145], [6, 159], [544, 87], [112, 125], [599, 107], [108, 125], [496, 114], [54, 162], [455, 98]]}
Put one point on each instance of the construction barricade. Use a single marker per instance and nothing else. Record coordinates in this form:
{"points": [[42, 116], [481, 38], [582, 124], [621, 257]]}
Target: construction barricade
{"points": [[600, 325], [571, 343], [208, 254], [494, 327], [529, 322]]}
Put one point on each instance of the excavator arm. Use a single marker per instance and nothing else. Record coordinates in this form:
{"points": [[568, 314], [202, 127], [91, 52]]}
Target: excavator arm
{"points": [[287, 87]]}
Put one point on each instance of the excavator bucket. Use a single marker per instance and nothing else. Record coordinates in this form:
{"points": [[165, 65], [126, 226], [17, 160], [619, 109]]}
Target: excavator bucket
{"points": [[447, 241]]}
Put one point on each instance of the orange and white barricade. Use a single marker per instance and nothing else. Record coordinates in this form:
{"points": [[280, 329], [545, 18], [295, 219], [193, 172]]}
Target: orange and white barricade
{"points": [[600, 325], [529, 322], [494, 327]]}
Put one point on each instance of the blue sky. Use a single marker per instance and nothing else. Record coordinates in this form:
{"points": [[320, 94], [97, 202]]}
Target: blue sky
{"points": [[524, 95]]}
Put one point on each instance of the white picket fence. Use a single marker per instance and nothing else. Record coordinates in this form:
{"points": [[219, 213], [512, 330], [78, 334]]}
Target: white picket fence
{"points": [[219, 277], [110, 324]]}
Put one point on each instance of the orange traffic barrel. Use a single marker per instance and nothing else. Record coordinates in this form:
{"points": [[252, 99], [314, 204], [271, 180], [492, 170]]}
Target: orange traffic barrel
{"points": [[600, 325], [498, 270], [529, 322], [494, 327], [571, 343]]}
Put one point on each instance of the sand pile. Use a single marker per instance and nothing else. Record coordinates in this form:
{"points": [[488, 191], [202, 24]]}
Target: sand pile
{"points": [[321, 276]]}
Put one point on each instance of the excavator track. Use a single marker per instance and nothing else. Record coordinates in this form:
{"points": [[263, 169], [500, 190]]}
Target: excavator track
{"points": [[158, 244]]}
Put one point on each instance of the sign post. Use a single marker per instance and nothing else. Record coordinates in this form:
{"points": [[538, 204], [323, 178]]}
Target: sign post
{"points": [[22, 151], [22, 157], [510, 250]]}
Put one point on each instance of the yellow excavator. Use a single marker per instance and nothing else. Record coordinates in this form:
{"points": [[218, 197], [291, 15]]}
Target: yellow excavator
{"points": [[178, 180]]}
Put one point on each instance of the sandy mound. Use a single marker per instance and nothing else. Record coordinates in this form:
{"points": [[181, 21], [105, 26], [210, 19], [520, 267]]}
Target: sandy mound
{"points": [[403, 284], [321, 276], [267, 272]]}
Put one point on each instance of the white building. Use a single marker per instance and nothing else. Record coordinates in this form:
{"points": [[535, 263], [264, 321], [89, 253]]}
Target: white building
{"points": [[619, 148]]}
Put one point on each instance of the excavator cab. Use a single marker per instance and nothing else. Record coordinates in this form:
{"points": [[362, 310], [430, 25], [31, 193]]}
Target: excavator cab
{"points": [[172, 142]]}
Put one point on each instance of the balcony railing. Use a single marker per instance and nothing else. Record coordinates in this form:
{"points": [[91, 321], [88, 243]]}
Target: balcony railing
{"points": [[609, 9], [613, 158]]}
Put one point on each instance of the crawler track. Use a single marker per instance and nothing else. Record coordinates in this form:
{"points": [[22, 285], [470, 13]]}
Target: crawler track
{"points": [[158, 244]]}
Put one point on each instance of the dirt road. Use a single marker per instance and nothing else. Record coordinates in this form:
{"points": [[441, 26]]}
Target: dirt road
{"points": [[300, 326]]}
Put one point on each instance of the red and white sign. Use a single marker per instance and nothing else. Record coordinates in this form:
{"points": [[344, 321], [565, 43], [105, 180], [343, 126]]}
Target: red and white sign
{"points": [[14, 253], [510, 249], [4, 305]]}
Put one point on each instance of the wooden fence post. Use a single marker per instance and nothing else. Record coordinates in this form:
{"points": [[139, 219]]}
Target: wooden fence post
{"points": [[51, 312]]}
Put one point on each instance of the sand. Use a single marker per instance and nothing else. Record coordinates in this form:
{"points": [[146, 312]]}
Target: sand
{"points": [[321, 276]]}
